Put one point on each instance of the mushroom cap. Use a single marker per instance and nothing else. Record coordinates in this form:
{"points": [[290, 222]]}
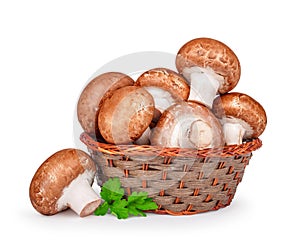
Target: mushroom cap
{"points": [[207, 52], [96, 90], [165, 79], [125, 115], [187, 125], [56, 173], [239, 107]]}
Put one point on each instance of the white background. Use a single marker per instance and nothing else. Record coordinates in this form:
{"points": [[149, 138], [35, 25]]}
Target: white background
{"points": [[48, 51]]}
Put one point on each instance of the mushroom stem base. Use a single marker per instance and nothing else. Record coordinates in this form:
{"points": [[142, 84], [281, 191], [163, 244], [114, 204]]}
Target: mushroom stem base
{"points": [[80, 196], [90, 208], [84, 201], [200, 134]]}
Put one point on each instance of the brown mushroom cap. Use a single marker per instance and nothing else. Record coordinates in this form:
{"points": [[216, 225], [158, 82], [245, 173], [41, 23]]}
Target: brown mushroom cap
{"points": [[187, 125], [54, 175], [165, 79], [207, 52], [125, 115], [96, 90], [239, 107]]}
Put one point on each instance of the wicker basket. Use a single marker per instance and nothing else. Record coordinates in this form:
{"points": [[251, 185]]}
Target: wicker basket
{"points": [[180, 181]]}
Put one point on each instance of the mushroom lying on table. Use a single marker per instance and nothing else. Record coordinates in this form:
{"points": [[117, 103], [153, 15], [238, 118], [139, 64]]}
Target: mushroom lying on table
{"points": [[187, 125], [125, 115], [64, 181], [165, 85], [242, 117], [95, 91], [210, 66]]}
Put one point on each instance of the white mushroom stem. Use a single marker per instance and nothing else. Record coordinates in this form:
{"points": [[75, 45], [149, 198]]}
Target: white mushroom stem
{"points": [[80, 196], [233, 133], [162, 98], [204, 84], [200, 134], [191, 133]]}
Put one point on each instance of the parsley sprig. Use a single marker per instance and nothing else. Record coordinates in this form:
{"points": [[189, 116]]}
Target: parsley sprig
{"points": [[117, 204]]}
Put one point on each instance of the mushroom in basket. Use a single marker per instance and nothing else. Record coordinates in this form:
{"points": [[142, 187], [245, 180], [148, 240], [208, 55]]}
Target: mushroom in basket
{"points": [[126, 115], [242, 117], [95, 91], [165, 85], [64, 181], [210, 67], [188, 125]]}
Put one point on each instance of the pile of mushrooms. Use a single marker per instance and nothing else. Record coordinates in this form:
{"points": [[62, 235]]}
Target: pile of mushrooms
{"points": [[192, 107]]}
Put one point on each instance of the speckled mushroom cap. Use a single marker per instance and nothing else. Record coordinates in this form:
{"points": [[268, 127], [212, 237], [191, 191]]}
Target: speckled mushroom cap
{"points": [[187, 125], [240, 108], [207, 52], [96, 90], [125, 115], [54, 175], [166, 79]]}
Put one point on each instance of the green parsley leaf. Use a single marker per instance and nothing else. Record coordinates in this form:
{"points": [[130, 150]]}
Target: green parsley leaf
{"points": [[138, 202], [115, 201], [148, 204], [102, 209], [119, 209], [137, 197], [111, 190]]}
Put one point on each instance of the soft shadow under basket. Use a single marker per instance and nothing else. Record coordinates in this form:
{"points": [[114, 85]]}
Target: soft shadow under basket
{"points": [[180, 181]]}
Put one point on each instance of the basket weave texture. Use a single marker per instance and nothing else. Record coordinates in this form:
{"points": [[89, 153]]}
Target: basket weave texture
{"points": [[180, 181]]}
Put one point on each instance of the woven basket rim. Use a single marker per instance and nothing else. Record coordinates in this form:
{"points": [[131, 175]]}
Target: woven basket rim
{"points": [[150, 150]]}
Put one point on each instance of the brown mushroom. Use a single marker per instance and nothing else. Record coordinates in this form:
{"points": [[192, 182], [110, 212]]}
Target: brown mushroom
{"points": [[96, 90], [242, 117], [165, 85], [210, 66], [125, 115], [64, 181], [188, 125]]}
